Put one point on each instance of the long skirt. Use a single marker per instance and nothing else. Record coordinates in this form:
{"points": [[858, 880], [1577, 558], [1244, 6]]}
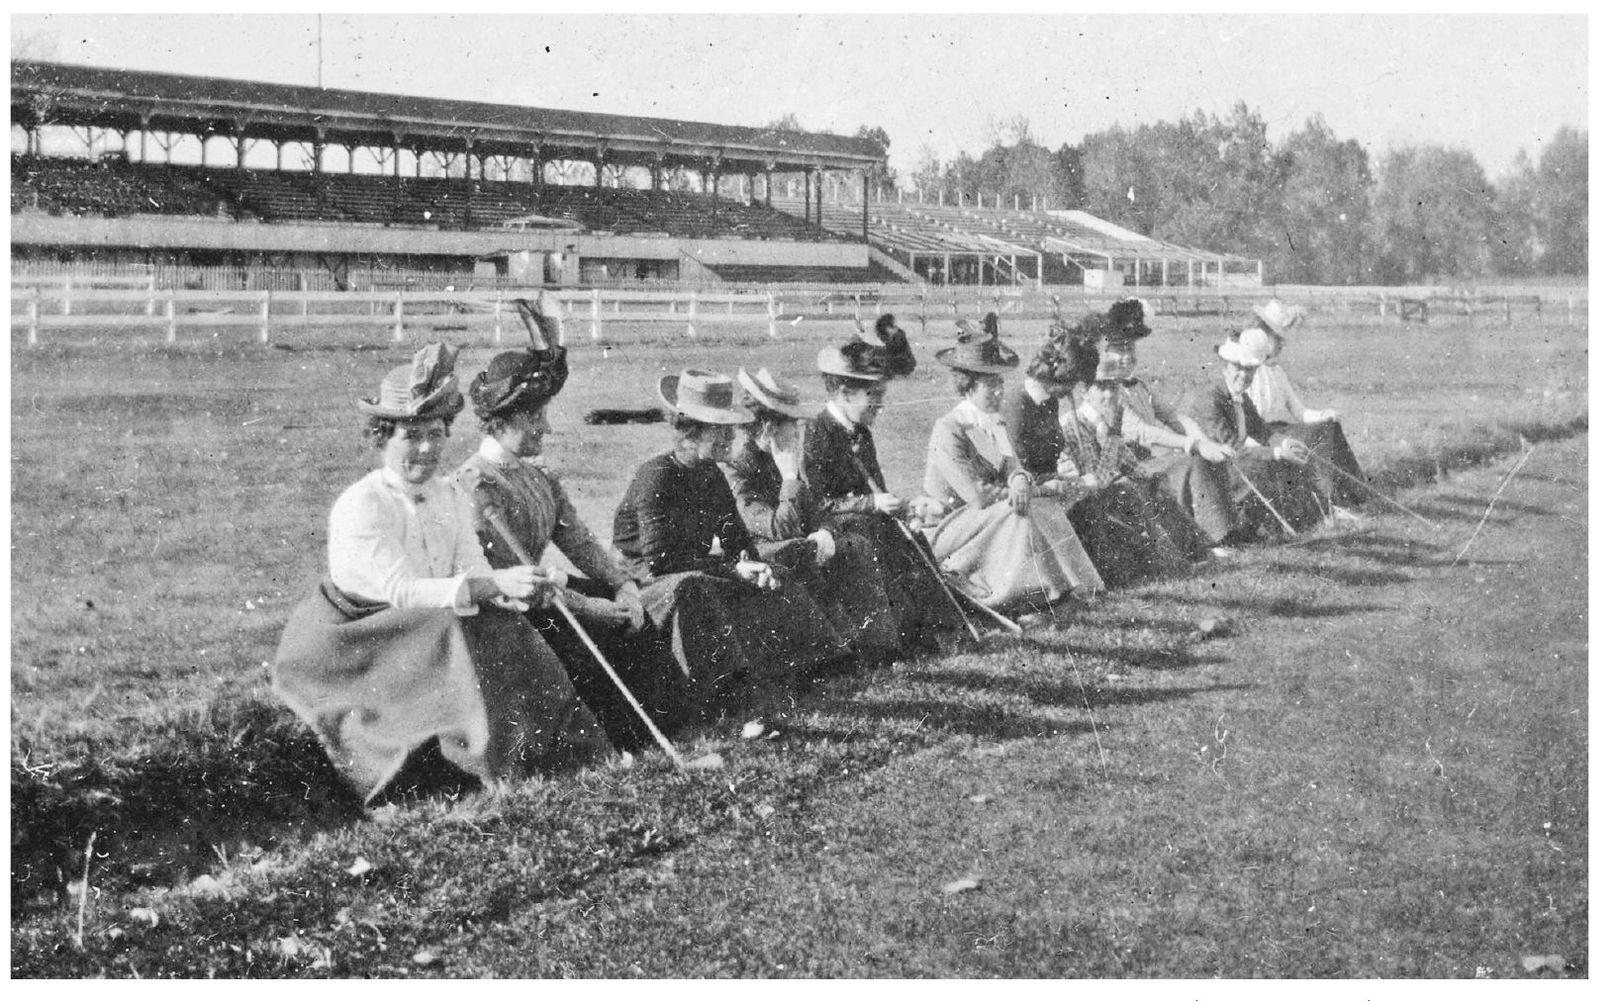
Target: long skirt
{"points": [[732, 639], [1132, 534], [1289, 487], [1199, 489], [1006, 559], [377, 685], [914, 610], [1326, 440], [642, 661], [848, 588]]}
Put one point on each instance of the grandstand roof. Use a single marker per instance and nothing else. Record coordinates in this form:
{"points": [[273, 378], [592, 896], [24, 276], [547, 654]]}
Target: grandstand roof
{"points": [[59, 93]]}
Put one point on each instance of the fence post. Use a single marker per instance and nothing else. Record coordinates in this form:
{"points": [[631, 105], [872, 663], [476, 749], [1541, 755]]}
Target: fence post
{"points": [[263, 318], [497, 331], [771, 307], [690, 317], [398, 314], [67, 296], [33, 316], [1507, 310], [595, 314], [151, 303], [168, 314]]}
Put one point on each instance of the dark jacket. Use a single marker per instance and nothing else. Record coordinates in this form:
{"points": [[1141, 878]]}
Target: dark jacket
{"points": [[1035, 431], [671, 514], [1223, 419], [772, 509], [829, 466]]}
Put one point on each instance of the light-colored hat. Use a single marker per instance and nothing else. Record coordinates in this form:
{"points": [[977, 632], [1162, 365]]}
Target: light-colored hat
{"points": [[1277, 316], [857, 359], [979, 352], [1250, 349], [424, 389], [702, 396], [774, 394]]}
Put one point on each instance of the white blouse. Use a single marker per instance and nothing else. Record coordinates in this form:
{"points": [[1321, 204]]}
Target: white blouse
{"points": [[1272, 393], [409, 545]]}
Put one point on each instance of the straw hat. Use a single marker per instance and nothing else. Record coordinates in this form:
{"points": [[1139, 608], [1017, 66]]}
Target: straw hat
{"points": [[774, 394], [979, 352], [425, 388], [1249, 349], [857, 359], [1277, 316], [702, 396]]}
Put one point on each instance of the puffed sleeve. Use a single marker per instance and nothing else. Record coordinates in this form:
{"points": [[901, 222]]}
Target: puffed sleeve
{"points": [[366, 549], [950, 454]]}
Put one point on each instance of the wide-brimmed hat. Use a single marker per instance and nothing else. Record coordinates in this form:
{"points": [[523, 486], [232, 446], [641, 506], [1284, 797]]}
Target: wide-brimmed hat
{"points": [[702, 396], [856, 359], [1125, 320], [1276, 316], [774, 394], [1249, 348], [426, 388], [524, 379], [891, 338], [981, 353]]}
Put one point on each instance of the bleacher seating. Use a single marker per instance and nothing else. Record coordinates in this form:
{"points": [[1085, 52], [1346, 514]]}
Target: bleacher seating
{"points": [[872, 274], [80, 186]]}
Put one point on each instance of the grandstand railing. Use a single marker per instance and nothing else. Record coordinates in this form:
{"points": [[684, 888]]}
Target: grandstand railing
{"points": [[40, 306]]}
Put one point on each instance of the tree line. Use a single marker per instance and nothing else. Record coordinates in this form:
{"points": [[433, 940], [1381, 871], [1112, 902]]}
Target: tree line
{"points": [[1313, 207]]}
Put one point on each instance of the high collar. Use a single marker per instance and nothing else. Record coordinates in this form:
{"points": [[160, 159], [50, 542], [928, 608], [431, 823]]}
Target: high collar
{"points": [[496, 453], [835, 410], [415, 492], [1035, 391], [968, 412]]}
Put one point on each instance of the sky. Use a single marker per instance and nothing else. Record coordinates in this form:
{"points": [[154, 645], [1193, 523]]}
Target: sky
{"points": [[1491, 83]]}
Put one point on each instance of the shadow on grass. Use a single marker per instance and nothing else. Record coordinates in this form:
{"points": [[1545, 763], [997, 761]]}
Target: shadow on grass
{"points": [[168, 817], [1345, 576], [1489, 443]]}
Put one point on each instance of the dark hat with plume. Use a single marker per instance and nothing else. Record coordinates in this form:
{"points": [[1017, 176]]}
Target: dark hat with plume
{"points": [[525, 380], [979, 349]]}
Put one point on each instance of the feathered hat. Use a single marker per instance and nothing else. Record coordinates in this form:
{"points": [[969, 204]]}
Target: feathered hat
{"points": [[425, 388], [525, 379]]}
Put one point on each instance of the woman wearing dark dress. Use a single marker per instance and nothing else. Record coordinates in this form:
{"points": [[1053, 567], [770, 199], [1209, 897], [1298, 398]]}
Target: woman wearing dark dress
{"points": [[729, 617]]}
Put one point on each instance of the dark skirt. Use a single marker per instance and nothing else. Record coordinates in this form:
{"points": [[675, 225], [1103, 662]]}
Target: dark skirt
{"points": [[1289, 487], [733, 640], [920, 611], [848, 587], [1132, 534], [1199, 490], [1326, 440], [377, 685], [642, 660]]}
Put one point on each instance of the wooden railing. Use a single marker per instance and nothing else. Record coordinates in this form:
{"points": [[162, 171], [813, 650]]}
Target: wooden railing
{"points": [[134, 303]]}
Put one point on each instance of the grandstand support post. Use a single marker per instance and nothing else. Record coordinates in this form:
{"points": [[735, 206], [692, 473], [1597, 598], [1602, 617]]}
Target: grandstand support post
{"points": [[398, 314], [168, 315], [690, 317], [264, 317], [595, 314], [864, 206]]}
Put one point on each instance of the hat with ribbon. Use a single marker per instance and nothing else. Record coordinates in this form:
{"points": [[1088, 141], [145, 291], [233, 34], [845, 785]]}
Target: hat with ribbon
{"points": [[1276, 316], [979, 351], [524, 380], [858, 359], [702, 396], [1249, 348], [426, 388], [772, 394], [890, 337], [1125, 320]]}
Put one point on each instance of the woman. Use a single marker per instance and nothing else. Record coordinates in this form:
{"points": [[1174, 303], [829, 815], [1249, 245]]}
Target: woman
{"points": [[1010, 546], [1115, 507], [413, 639], [729, 617], [764, 469], [841, 466], [516, 500], [1281, 408]]}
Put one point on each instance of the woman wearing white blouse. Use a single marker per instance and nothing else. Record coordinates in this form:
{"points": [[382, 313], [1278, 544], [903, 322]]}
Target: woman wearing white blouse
{"points": [[413, 640], [1280, 407]]}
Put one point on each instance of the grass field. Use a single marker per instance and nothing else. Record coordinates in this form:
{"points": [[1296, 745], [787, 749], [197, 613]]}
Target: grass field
{"points": [[1374, 773]]}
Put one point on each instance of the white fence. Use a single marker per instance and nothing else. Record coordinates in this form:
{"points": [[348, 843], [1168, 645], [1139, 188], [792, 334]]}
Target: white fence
{"points": [[41, 304]]}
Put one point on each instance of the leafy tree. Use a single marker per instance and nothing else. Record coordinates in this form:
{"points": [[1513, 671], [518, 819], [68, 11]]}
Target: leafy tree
{"points": [[1317, 228], [1517, 243], [1563, 203], [883, 180], [1432, 215]]}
